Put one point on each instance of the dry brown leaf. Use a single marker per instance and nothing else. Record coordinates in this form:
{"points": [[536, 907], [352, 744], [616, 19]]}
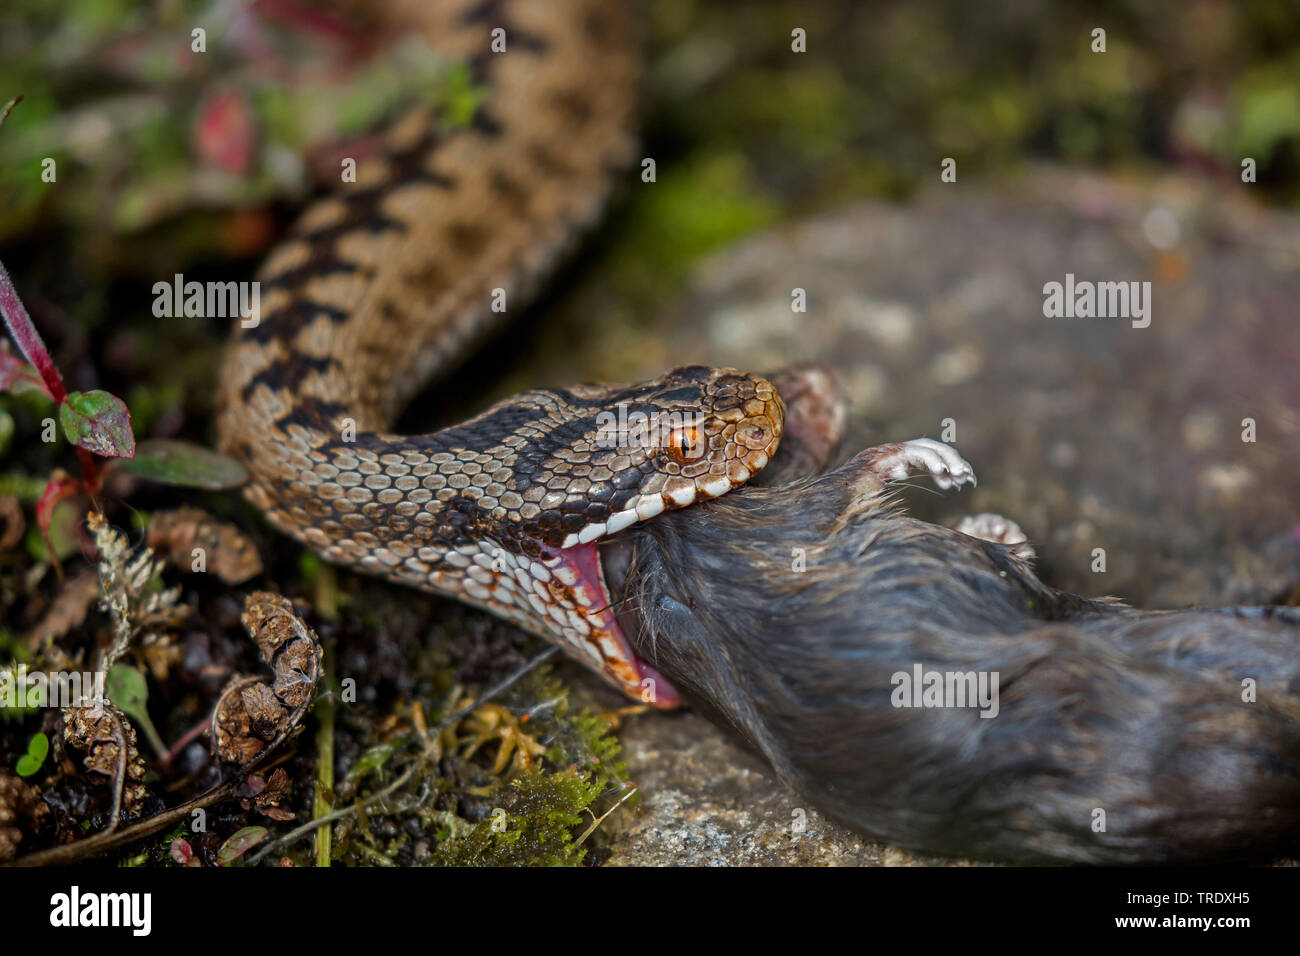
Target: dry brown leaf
{"points": [[69, 609], [107, 742], [268, 794], [223, 549], [253, 716], [11, 516]]}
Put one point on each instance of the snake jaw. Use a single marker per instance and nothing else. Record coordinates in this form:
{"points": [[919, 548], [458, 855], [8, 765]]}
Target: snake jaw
{"points": [[742, 439], [372, 295], [604, 645], [735, 441]]}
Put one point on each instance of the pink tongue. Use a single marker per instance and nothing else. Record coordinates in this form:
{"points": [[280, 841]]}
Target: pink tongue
{"points": [[585, 561], [666, 696]]}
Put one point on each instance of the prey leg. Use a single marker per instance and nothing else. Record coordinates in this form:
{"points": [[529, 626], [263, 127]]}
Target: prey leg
{"points": [[993, 527], [896, 460]]}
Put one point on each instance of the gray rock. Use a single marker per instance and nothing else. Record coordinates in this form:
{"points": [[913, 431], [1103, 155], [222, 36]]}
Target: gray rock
{"points": [[1089, 432]]}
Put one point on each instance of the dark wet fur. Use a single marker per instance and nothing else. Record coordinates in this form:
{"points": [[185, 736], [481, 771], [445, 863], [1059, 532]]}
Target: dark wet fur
{"points": [[1139, 714]]}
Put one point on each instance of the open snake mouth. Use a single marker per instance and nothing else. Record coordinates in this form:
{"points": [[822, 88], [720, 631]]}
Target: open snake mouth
{"points": [[604, 644], [689, 459]]}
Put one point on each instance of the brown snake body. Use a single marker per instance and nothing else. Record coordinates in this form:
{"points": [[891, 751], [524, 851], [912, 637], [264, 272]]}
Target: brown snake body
{"points": [[391, 280]]}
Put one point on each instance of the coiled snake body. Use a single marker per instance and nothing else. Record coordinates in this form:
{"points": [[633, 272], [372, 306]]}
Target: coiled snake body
{"points": [[390, 281]]}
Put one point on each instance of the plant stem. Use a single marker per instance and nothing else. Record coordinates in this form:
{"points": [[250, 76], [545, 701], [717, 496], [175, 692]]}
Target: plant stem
{"points": [[324, 801], [33, 348], [102, 842], [4, 113], [28, 339], [90, 473]]}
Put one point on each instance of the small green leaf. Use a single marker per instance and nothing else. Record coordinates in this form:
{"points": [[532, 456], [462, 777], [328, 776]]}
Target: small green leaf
{"points": [[98, 422], [239, 844], [371, 760], [38, 748], [460, 98], [27, 765], [183, 463], [127, 688]]}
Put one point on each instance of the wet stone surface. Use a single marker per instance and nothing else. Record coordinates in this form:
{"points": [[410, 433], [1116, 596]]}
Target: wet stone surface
{"points": [[1089, 432]]}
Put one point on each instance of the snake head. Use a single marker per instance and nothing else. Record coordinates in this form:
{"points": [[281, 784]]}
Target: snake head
{"points": [[633, 453], [693, 434], [506, 510], [598, 459]]}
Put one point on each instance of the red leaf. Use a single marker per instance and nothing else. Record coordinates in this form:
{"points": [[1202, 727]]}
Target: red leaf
{"points": [[98, 422], [61, 487], [224, 135], [16, 376], [181, 851], [239, 844]]}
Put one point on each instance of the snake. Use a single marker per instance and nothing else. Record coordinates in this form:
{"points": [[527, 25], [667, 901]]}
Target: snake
{"points": [[398, 274]]}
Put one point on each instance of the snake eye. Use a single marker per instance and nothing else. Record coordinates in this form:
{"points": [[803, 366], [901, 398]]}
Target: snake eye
{"points": [[685, 444]]}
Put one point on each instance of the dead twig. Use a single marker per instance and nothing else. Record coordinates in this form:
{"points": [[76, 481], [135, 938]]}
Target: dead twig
{"points": [[104, 841]]}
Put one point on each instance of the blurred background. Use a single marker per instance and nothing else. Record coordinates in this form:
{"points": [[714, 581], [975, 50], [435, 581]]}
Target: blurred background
{"points": [[172, 162], [774, 169]]}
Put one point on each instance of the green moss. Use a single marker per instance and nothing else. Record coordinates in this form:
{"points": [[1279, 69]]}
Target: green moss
{"points": [[538, 816], [1267, 114], [562, 773], [533, 826], [696, 205]]}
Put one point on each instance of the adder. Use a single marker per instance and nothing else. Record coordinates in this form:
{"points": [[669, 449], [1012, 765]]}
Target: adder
{"points": [[393, 279], [1132, 718]]}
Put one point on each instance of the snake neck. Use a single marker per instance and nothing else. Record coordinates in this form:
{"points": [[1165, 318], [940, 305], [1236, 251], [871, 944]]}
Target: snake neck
{"points": [[392, 278]]}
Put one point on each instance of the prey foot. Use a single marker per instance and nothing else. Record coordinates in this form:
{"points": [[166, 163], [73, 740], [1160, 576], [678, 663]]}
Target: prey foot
{"points": [[896, 460], [993, 527]]}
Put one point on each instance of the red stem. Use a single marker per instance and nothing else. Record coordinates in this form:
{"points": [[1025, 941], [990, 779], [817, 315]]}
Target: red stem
{"points": [[33, 349], [90, 471], [28, 339]]}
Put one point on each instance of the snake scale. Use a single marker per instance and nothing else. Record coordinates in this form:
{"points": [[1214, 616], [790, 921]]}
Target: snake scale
{"points": [[390, 281]]}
